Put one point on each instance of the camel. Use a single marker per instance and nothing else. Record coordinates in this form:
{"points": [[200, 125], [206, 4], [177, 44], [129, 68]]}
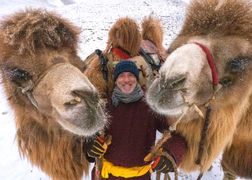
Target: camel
{"points": [[125, 42], [57, 99], [55, 105], [204, 85]]}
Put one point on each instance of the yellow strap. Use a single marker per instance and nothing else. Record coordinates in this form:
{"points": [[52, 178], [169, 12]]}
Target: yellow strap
{"points": [[119, 171]]}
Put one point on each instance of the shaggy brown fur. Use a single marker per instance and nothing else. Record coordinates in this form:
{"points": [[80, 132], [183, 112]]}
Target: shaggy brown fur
{"points": [[28, 41], [152, 30], [238, 157], [216, 19], [33, 41], [225, 27], [94, 74], [125, 34]]}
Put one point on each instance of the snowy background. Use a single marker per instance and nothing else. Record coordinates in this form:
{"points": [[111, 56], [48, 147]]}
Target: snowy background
{"points": [[95, 17]]}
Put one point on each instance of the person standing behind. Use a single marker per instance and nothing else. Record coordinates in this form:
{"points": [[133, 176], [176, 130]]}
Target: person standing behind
{"points": [[133, 127]]}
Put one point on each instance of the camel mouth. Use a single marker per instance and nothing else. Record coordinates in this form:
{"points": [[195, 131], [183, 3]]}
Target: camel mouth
{"points": [[166, 101], [95, 121], [83, 123], [172, 111], [84, 130], [83, 119]]}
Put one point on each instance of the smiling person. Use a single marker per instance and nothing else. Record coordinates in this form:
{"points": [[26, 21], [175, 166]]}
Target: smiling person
{"points": [[133, 129]]}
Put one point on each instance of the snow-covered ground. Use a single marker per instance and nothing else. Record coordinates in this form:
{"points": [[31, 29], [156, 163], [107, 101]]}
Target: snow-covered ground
{"points": [[95, 18]]}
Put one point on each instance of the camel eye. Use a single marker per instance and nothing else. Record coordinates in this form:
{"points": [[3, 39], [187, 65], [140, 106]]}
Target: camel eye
{"points": [[89, 96], [238, 64], [18, 76], [226, 81]]}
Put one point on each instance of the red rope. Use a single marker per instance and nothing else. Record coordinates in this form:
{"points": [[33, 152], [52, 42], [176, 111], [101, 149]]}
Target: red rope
{"points": [[211, 63]]}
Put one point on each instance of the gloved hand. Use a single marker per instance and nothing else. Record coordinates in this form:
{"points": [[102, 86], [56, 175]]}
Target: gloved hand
{"points": [[96, 148], [162, 164]]}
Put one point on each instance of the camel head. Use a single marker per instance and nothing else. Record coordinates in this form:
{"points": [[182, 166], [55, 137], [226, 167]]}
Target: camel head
{"points": [[211, 57], [42, 73]]}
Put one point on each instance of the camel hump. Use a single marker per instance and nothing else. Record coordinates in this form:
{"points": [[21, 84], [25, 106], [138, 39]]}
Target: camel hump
{"points": [[152, 30], [149, 47], [219, 18], [35, 29], [125, 34]]}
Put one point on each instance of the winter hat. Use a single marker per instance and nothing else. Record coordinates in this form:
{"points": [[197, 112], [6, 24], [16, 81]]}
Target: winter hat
{"points": [[125, 66]]}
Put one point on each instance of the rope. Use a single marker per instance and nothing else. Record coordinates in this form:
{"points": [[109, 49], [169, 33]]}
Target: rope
{"points": [[103, 68], [200, 176], [170, 158], [157, 151], [203, 139], [203, 135], [166, 176], [149, 60]]}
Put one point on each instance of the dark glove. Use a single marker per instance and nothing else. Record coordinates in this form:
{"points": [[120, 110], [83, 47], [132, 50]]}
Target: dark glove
{"points": [[162, 164], [96, 148]]}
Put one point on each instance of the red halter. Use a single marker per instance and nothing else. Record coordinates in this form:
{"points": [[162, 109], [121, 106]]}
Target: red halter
{"points": [[211, 63]]}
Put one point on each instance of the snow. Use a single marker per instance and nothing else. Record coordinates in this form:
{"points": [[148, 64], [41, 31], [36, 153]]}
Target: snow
{"points": [[95, 18]]}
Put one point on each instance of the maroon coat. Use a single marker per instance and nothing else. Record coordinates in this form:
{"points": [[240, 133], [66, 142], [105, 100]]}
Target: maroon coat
{"points": [[133, 128]]}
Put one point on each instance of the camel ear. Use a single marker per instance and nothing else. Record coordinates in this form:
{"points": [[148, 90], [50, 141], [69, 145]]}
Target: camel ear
{"points": [[18, 76]]}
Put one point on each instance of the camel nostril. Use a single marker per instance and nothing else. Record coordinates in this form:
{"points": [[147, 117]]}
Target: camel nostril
{"points": [[178, 83], [87, 96]]}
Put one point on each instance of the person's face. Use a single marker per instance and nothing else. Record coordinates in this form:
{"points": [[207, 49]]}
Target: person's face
{"points": [[126, 82]]}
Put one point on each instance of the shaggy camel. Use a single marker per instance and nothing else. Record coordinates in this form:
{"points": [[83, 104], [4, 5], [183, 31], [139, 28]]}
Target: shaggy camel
{"points": [[37, 49], [45, 86], [124, 42], [205, 83]]}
